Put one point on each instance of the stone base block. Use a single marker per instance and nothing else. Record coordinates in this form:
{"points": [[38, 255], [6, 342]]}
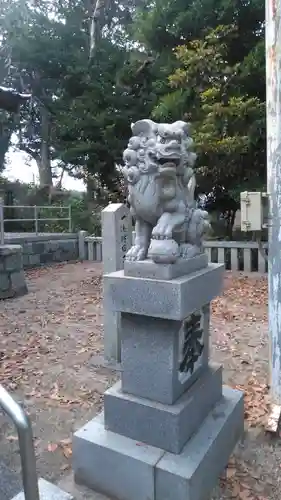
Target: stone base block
{"points": [[47, 491], [165, 426], [12, 285], [148, 268], [168, 299], [126, 469], [112, 464], [12, 279], [193, 474]]}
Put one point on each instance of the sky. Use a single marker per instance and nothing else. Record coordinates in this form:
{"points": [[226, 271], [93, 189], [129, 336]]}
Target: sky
{"points": [[19, 169]]}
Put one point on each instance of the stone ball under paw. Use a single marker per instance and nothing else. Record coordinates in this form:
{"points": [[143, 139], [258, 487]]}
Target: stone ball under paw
{"points": [[164, 251]]}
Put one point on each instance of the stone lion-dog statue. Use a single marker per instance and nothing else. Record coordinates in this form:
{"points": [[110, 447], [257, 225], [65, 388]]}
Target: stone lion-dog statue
{"points": [[158, 165]]}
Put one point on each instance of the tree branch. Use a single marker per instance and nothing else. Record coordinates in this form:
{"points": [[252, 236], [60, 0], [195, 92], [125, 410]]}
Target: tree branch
{"points": [[30, 152], [95, 26]]}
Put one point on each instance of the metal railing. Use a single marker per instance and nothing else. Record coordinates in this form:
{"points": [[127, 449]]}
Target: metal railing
{"points": [[36, 219], [27, 454]]}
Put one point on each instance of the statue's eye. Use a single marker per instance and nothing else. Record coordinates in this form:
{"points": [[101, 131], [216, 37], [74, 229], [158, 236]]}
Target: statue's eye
{"points": [[162, 140]]}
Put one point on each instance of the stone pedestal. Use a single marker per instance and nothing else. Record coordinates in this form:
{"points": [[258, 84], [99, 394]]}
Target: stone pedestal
{"points": [[12, 279], [169, 426]]}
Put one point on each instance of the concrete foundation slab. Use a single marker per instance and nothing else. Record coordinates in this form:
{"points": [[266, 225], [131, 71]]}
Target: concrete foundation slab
{"points": [[169, 299], [148, 268], [165, 426], [78, 491], [48, 491], [193, 474], [113, 464], [126, 469]]}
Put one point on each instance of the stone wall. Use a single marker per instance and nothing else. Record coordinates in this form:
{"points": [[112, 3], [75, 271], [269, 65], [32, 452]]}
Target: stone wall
{"points": [[45, 248], [12, 280]]}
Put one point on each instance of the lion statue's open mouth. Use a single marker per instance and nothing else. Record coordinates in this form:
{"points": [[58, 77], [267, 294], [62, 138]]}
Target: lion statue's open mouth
{"points": [[168, 166]]}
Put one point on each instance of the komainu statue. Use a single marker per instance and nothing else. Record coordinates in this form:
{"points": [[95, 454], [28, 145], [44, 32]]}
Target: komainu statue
{"points": [[158, 165]]}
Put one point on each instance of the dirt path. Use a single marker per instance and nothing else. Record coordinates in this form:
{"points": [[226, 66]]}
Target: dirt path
{"points": [[49, 336], [47, 339]]}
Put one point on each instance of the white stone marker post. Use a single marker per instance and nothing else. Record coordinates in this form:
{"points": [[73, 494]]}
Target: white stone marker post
{"points": [[116, 241]]}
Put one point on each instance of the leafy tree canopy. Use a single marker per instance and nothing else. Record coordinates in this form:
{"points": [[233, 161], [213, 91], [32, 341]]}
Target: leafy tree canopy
{"points": [[216, 81], [92, 69]]}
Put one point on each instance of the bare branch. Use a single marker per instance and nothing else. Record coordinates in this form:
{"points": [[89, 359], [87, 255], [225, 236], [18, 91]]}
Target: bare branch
{"points": [[95, 26], [30, 152]]}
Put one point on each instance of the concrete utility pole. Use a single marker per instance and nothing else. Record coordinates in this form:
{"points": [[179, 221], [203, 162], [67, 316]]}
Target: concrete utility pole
{"points": [[273, 89]]}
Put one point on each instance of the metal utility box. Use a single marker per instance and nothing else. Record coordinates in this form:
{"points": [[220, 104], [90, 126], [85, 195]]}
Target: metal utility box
{"points": [[254, 211]]}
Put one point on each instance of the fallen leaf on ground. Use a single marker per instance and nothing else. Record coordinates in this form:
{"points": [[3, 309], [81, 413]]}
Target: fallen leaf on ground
{"points": [[256, 401], [230, 472], [52, 447], [12, 438], [67, 451], [65, 467], [66, 442], [245, 495], [66, 446], [235, 490]]}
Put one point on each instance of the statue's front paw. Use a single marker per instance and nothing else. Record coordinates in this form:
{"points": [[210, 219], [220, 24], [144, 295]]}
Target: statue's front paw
{"points": [[136, 252], [162, 232]]}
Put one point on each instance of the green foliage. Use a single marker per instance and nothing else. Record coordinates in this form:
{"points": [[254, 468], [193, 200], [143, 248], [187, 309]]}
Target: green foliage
{"points": [[228, 122], [165, 24], [216, 81], [6, 129]]}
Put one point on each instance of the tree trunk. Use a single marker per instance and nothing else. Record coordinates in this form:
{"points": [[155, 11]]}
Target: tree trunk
{"points": [[230, 219], [5, 139], [44, 163]]}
